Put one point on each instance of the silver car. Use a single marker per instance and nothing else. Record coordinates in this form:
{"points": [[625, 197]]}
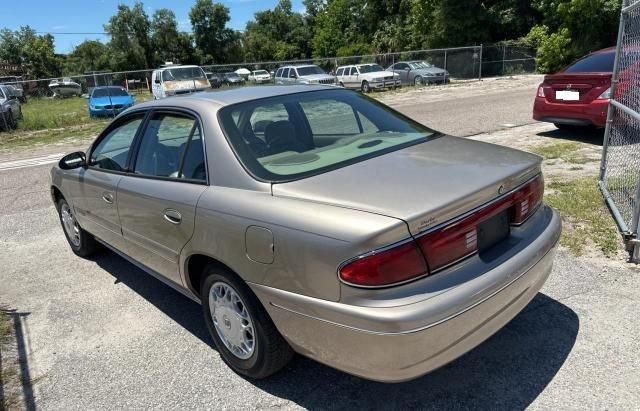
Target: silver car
{"points": [[10, 108], [303, 74], [315, 220], [419, 72]]}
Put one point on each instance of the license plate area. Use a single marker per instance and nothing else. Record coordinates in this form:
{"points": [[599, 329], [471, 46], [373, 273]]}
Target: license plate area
{"points": [[567, 95], [493, 230]]}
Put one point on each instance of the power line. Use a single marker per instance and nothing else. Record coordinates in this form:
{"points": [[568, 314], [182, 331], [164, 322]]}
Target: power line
{"points": [[72, 33]]}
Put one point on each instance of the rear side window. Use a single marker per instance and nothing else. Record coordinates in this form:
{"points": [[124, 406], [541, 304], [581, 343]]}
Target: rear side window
{"points": [[168, 141], [279, 73], [600, 62], [339, 72]]}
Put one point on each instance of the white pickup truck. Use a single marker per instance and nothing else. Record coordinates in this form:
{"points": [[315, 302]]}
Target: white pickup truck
{"points": [[366, 77], [260, 76]]}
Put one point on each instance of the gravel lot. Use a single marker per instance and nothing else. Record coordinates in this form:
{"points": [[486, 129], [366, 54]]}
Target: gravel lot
{"points": [[101, 334]]}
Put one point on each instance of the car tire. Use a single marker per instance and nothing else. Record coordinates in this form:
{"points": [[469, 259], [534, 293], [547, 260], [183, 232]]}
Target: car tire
{"points": [[81, 242], [366, 88], [417, 81], [341, 84], [233, 313], [9, 122]]}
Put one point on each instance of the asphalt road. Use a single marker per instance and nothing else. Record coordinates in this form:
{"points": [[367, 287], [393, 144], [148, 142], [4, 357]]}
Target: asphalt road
{"points": [[474, 114], [101, 334]]}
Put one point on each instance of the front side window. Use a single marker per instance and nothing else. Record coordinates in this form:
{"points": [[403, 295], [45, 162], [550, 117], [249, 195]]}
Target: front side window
{"points": [[309, 133], [167, 141], [112, 151], [292, 73]]}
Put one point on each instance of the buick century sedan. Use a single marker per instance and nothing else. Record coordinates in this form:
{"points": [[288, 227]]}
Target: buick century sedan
{"points": [[315, 220]]}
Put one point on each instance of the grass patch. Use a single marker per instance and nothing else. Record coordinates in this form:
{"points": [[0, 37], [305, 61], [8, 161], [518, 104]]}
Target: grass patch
{"points": [[9, 378], [556, 150], [21, 138], [582, 206]]}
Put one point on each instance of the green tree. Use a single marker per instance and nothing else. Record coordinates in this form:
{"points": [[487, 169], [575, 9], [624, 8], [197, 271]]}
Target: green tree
{"points": [[36, 53], [280, 34], [572, 28], [167, 42], [130, 41], [90, 55], [212, 37]]}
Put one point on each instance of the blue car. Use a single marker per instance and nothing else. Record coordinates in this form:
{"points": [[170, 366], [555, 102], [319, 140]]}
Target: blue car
{"points": [[109, 101]]}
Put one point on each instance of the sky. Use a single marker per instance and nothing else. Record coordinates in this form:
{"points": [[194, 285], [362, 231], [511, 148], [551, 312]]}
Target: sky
{"points": [[88, 16]]}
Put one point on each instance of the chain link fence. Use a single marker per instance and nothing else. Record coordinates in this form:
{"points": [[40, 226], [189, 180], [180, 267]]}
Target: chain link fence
{"points": [[620, 168], [462, 63]]}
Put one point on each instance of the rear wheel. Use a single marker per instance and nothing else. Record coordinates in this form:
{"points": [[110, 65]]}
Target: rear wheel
{"points": [[366, 88], [82, 243], [244, 335]]}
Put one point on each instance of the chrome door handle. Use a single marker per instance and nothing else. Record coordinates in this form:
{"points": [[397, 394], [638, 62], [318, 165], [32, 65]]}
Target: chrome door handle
{"points": [[108, 198], [172, 216]]}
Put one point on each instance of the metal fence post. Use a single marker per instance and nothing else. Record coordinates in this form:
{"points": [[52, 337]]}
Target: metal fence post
{"points": [[504, 56], [445, 59], [480, 65]]}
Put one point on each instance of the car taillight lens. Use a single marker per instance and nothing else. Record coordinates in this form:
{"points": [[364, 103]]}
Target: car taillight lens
{"points": [[527, 199], [389, 266], [606, 95], [443, 246], [540, 91]]}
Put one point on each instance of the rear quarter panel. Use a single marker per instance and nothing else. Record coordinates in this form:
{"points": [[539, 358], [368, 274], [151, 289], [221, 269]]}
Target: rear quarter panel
{"points": [[310, 240]]}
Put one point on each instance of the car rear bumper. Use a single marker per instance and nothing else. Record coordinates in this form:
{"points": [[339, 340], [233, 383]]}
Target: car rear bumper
{"points": [[594, 113], [399, 343]]}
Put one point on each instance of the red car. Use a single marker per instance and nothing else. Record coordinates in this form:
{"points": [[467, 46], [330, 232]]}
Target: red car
{"points": [[579, 94]]}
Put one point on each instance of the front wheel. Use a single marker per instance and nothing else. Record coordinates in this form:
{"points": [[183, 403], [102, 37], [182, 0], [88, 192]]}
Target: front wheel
{"points": [[366, 88], [417, 81], [242, 331], [82, 243]]}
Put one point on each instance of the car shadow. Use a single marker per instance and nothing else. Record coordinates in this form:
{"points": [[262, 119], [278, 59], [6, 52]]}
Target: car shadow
{"points": [[508, 371], [589, 135]]}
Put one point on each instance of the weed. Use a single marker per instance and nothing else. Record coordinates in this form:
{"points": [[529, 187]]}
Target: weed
{"points": [[556, 150], [583, 209]]}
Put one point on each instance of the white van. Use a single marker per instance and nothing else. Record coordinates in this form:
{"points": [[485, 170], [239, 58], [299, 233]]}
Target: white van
{"points": [[172, 80]]}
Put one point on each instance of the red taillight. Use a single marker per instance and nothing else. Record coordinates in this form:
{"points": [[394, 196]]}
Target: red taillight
{"points": [[390, 266], [443, 246], [527, 199], [540, 91]]}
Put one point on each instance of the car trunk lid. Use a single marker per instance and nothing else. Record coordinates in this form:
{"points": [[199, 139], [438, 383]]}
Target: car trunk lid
{"points": [[424, 185], [588, 85]]}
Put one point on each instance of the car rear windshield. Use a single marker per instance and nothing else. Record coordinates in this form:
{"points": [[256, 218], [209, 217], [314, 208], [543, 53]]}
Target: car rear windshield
{"points": [[260, 72], [111, 91], [594, 63], [289, 137], [183, 73], [310, 70]]}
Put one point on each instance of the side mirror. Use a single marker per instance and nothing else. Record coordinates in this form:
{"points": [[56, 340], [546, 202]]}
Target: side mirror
{"points": [[157, 81], [408, 69], [73, 160]]}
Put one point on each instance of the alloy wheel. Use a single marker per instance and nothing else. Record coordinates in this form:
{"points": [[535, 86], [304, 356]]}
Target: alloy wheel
{"points": [[232, 320]]}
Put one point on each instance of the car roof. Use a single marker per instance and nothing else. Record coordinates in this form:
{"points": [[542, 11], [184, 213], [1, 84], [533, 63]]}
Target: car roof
{"points": [[178, 66], [237, 95], [299, 65]]}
